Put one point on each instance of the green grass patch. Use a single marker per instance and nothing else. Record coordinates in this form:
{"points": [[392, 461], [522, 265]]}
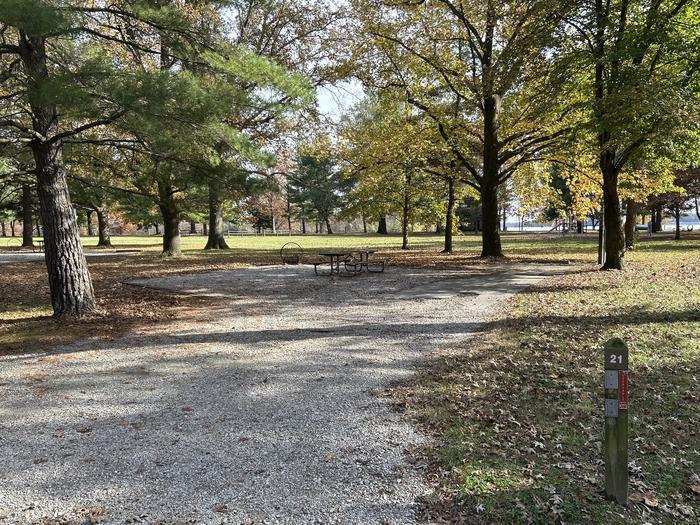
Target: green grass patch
{"points": [[518, 412]]}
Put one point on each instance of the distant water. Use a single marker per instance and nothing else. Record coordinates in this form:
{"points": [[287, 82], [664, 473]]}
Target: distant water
{"points": [[668, 225]]}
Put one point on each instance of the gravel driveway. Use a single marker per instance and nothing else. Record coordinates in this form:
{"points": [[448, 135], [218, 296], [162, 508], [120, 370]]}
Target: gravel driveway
{"points": [[265, 414]]}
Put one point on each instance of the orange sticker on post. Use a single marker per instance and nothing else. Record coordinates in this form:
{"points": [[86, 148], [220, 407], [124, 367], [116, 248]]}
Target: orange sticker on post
{"points": [[623, 382]]}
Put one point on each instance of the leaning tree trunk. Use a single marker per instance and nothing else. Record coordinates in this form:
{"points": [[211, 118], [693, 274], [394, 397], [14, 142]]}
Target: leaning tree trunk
{"points": [[171, 221], [381, 228], [70, 283], [104, 239], [630, 223], [215, 238], [449, 216], [614, 236], [27, 227]]}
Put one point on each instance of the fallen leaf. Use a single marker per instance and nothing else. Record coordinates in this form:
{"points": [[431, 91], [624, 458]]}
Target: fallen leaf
{"points": [[222, 508], [650, 500], [636, 497]]}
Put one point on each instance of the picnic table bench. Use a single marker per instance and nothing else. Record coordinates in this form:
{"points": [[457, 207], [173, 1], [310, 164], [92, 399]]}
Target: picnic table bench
{"points": [[354, 262]]}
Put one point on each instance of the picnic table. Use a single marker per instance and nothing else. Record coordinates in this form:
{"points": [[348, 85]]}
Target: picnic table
{"points": [[334, 259], [354, 262], [38, 246]]}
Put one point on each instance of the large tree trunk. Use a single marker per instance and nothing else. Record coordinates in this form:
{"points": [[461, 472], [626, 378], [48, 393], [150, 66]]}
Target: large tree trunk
{"points": [[490, 216], [70, 283], [328, 226], [27, 213], [449, 216], [215, 239], [104, 240], [88, 221], [171, 221], [381, 228], [612, 216], [491, 243], [630, 223]]}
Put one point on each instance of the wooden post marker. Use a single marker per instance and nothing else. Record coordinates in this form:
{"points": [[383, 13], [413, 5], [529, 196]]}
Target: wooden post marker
{"points": [[616, 405]]}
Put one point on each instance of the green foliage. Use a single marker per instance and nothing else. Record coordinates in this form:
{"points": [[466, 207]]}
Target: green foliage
{"points": [[318, 188]]}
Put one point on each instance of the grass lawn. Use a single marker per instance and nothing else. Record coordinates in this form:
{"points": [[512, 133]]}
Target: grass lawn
{"points": [[516, 244], [518, 415]]}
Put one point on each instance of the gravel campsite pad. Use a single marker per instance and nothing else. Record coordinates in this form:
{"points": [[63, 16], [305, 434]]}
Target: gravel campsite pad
{"points": [[267, 413]]}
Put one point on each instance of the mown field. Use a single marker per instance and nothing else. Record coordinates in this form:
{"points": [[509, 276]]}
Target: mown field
{"points": [[518, 416]]}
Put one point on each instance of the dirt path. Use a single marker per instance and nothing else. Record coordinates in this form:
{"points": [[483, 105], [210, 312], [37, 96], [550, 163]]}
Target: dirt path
{"points": [[265, 414]]}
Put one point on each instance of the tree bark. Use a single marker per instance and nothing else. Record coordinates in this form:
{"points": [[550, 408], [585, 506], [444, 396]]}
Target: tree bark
{"points": [[328, 226], [405, 212], [88, 220], [12, 228], [505, 218], [612, 216], [171, 221], [491, 238], [677, 216], [657, 219], [364, 223], [157, 227], [205, 229], [27, 213], [381, 228], [630, 223], [215, 239], [449, 215], [303, 225], [193, 227], [104, 239], [4, 231], [72, 294]]}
